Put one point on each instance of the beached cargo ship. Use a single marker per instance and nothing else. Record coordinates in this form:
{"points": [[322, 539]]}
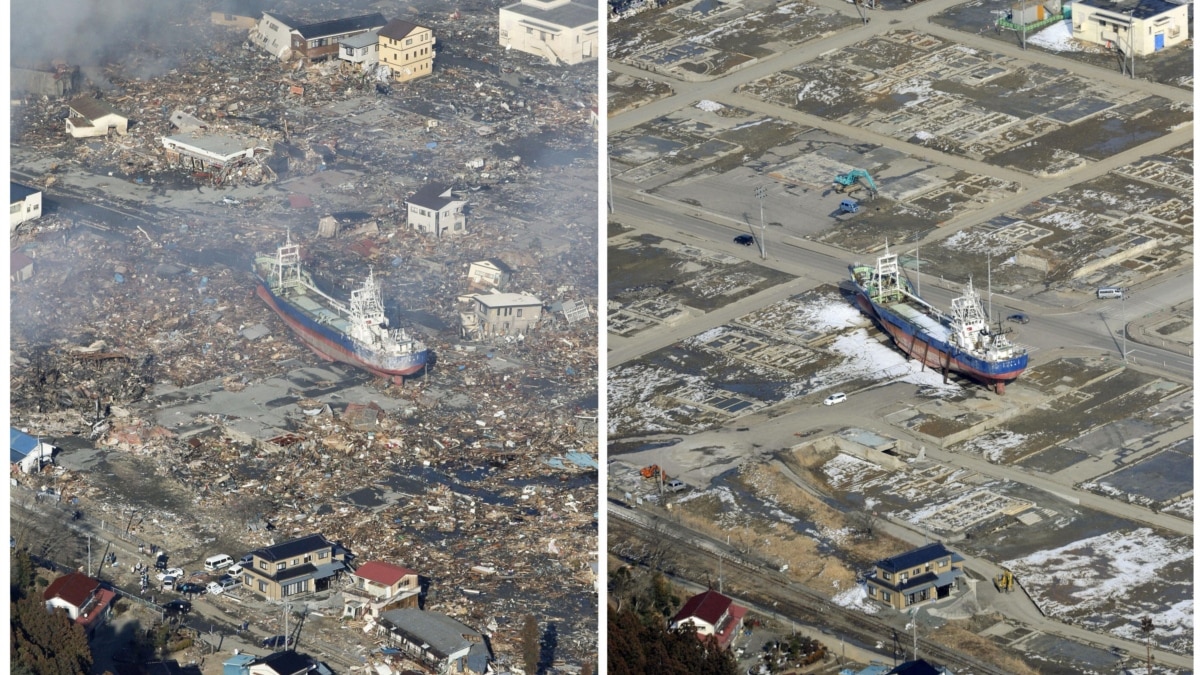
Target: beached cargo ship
{"points": [[960, 341], [356, 333]]}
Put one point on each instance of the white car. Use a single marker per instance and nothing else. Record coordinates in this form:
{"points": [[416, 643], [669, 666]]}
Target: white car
{"points": [[234, 571], [173, 572], [834, 399], [214, 588]]}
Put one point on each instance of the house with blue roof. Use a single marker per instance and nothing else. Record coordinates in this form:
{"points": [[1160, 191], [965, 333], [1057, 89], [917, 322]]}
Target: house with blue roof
{"points": [[920, 575], [27, 452]]}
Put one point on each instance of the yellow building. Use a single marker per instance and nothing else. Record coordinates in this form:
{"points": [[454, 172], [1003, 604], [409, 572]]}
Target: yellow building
{"points": [[407, 49]]}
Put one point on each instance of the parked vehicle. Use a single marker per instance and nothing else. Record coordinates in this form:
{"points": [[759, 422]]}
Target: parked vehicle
{"points": [[235, 571], [675, 485], [172, 572], [276, 641], [168, 583], [190, 588], [214, 588], [834, 399], [216, 562], [1110, 292], [178, 607], [227, 582]]}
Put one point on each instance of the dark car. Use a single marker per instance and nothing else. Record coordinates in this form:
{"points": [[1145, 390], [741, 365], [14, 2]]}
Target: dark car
{"points": [[744, 239], [1019, 318], [178, 607], [189, 588], [276, 641]]}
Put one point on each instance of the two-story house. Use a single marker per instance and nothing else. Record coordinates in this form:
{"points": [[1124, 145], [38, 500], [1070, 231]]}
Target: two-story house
{"points": [[506, 313], [361, 50], [490, 273], [87, 602], [24, 204], [88, 117], [407, 49], [285, 37], [318, 42], [711, 614], [378, 586], [438, 641], [434, 210], [922, 574], [295, 567], [560, 31]]}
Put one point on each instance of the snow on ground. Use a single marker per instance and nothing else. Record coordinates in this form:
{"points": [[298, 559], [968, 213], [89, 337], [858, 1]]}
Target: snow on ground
{"points": [[870, 359], [844, 471], [994, 444], [630, 388], [1090, 575], [828, 313], [709, 106], [1059, 37], [855, 597]]}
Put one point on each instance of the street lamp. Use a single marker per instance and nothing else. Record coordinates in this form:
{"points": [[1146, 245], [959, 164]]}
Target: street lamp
{"points": [[1124, 330], [1147, 628], [761, 193]]}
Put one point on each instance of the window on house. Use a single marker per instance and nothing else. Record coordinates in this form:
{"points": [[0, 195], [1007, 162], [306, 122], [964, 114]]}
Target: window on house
{"points": [[295, 561], [279, 566], [903, 577], [871, 591], [887, 576], [887, 597], [308, 557], [323, 555], [262, 586], [519, 311], [408, 42], [15, 208], [262, 564]]}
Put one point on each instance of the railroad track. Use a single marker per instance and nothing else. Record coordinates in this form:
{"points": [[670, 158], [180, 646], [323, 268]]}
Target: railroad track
{"points": [[764, 586]]}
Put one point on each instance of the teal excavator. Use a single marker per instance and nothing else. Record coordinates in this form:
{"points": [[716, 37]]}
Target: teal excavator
{"points": [[847, 181]]}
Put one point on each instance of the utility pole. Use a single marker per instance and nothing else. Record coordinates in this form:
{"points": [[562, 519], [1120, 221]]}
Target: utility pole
{"points": [[1023, 46], [1124, 330], [761, 193], [1147, 627], [89, 555]]}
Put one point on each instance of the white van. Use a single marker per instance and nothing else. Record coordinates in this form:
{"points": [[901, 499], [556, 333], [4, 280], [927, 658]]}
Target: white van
{"points": [[217, 562], [1110, 292]]}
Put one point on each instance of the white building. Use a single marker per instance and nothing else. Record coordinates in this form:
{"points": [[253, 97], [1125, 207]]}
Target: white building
{"points": [[87, 117], [434, 210], [561, 31], [1135, 27], [25, 204], [361, 50], [490, 273], [212, 152]]}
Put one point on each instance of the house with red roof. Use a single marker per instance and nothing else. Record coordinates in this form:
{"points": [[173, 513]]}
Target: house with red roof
{"points": [[378, 586], [84, 599], [711, 614]]}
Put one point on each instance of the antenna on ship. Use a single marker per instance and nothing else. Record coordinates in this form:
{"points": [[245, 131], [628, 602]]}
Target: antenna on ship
{"points": [[989, 284]]}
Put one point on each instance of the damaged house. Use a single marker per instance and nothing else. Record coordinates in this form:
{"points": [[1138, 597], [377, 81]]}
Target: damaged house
{"points": [[377, 586], [88, 117], [286, 38], [24, 204], [213, 154], [361, 50], [490, 273], [438, 641], [561, 31], [295, 567], [406, 49], [434, 210], [497, 314]]}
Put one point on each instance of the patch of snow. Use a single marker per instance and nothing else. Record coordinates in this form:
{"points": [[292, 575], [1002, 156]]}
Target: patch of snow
{"points": [[994, 444], [855, 598], [709, 106]]}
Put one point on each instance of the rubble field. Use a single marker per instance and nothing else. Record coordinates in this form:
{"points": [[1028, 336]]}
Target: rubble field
{"points": [[175, 394]]}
